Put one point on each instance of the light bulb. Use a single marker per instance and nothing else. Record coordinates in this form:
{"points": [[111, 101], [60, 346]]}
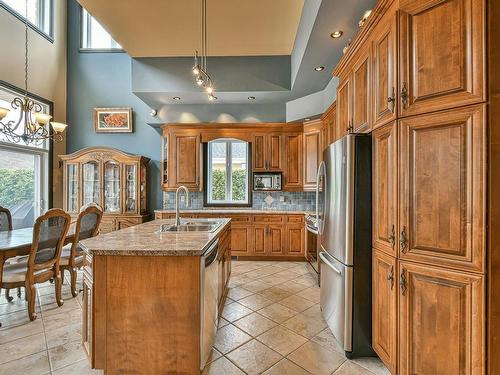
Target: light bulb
{"points": [[196, 71], [211, 97], [199, 81], [58, 127], [209, 89]]}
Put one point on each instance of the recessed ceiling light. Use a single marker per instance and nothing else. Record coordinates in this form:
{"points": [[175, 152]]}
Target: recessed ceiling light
{"points": [[319, 68], [251, 98], [176, 98], [337, 34]]}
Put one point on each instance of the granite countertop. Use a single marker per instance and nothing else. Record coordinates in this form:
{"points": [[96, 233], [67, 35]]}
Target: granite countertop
{"points": [[241, 210], [146, 240]]}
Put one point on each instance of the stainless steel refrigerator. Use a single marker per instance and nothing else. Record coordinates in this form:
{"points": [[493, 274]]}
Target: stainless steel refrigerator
{"points": [[344, 227]]}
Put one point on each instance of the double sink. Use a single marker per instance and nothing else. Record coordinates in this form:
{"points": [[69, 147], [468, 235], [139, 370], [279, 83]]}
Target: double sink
{"points": [[192, 226]]}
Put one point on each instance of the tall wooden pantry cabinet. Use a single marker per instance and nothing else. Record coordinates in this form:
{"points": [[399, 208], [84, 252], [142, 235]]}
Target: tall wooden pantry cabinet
{"points": [[427, 110]]}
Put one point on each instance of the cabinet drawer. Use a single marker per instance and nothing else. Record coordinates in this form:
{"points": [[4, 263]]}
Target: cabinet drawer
{"points": [[295, 218], [238, 218], [123, 223], [268, 219]]}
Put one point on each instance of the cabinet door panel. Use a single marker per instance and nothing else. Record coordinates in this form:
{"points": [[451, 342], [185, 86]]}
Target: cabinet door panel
{"points": [[295, 240], [442, 188], [276, 240], [384, 306], [241, 240], [259, 152], [312, 154], [274, 156], [385, 185], [441, 328], [187, 160], [361, 81], [259, 239], [343, 108], [442, 47], [293, 156], [384, 71]]}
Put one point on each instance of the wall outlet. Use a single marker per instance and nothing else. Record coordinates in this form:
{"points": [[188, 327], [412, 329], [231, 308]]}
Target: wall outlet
{"points": [[282, 198]]}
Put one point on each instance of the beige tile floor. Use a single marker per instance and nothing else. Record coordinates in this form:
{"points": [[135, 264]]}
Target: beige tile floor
{"points": [[271, 324]]}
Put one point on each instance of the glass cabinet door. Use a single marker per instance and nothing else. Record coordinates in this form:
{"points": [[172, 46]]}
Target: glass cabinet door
{"points": [[112, 186], [72, 187], [130, 188], [143, 188], [90, 181]]}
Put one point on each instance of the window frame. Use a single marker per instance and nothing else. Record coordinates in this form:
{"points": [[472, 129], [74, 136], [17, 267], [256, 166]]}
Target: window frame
{"points": [[207, 165], [89, 49], [42, 15], [48, 153]]}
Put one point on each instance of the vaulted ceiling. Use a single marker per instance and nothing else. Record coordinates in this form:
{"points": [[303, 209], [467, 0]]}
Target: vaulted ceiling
{"points": [[168, 28], [261, 49]]}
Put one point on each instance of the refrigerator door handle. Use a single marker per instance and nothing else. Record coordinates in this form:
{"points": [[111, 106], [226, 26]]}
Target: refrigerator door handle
{"points": [[329, 264], [322, 166]]}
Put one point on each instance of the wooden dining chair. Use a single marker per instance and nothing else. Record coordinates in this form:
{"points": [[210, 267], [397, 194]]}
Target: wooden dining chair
{"points": [[72, 257], [5, 219], [42, 264]]}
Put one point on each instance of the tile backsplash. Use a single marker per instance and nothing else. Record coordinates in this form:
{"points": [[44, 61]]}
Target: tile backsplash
{"points": [[290, 201]]}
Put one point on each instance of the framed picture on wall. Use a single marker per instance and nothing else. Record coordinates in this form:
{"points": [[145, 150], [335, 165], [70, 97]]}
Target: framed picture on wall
{"points": [[113, 120]]}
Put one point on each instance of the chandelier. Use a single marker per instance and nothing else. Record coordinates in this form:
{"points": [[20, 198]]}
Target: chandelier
{"points": [[202, 78], [32, 126]]}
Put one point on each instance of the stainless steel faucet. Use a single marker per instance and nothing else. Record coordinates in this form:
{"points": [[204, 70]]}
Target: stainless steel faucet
{"points": [[186, 190]]}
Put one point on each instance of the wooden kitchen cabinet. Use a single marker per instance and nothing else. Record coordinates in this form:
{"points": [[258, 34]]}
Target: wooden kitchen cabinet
{"points": [[384, 56], [330, 125], [344, 107], [241, 239], [259, 239], [361, 93], [267, 152], [184, 163], [295, 240], [313, 152], [268, 235], [443, 188], [441, 54], [292, 174], [441, 321], [385, 308], [354, 97], [385, 189]]}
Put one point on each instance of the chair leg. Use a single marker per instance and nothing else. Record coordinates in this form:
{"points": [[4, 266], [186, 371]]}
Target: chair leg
{"points": [[31, 294], [73, 274], [7, 295], [58, 281]]}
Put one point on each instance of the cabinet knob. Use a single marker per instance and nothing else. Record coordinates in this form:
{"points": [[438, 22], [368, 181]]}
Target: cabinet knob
{"points": [[402, 282], [391, 277], [403, 241], [392, 100], [392, 237], [404, 95]]}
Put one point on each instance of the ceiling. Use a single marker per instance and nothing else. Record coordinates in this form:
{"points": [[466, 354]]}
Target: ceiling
{"points": [[171, 28]]}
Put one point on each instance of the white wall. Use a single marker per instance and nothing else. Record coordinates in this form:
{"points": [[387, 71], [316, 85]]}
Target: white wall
{"points": [[47, 70]]}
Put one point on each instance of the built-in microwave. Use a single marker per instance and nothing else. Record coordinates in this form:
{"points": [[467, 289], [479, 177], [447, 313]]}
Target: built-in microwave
{"points": [[267, 181]]}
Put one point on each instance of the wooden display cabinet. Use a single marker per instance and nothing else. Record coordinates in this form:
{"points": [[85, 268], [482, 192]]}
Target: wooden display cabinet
{"points": [[115, 180]]}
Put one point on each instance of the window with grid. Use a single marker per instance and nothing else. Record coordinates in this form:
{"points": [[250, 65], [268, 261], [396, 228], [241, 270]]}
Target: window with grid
{"points": [[94, 36]]}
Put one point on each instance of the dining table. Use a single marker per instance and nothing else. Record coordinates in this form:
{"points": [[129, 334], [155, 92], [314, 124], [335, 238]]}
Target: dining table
{"points": [[17, 242]]}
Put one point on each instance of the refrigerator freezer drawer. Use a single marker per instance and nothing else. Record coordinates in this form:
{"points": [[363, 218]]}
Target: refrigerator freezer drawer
{"points": [[336, 298]]}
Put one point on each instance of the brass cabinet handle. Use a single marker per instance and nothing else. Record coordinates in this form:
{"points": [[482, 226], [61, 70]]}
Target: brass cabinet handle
{"points": [[392, 236], [403, 241], [392, 100], [391, 277], [402, 282], [350, 127], [404, 95]]}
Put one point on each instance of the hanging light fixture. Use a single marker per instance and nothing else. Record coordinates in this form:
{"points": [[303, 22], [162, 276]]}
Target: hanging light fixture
{"points": [[32, 126], [202, 78]]}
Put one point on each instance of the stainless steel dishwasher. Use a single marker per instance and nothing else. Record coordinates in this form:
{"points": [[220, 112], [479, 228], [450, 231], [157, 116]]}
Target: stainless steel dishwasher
{"points": [[209, 272]]}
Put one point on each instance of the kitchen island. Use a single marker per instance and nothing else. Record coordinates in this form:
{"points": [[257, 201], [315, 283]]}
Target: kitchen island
{"points": [[150, 297]]}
